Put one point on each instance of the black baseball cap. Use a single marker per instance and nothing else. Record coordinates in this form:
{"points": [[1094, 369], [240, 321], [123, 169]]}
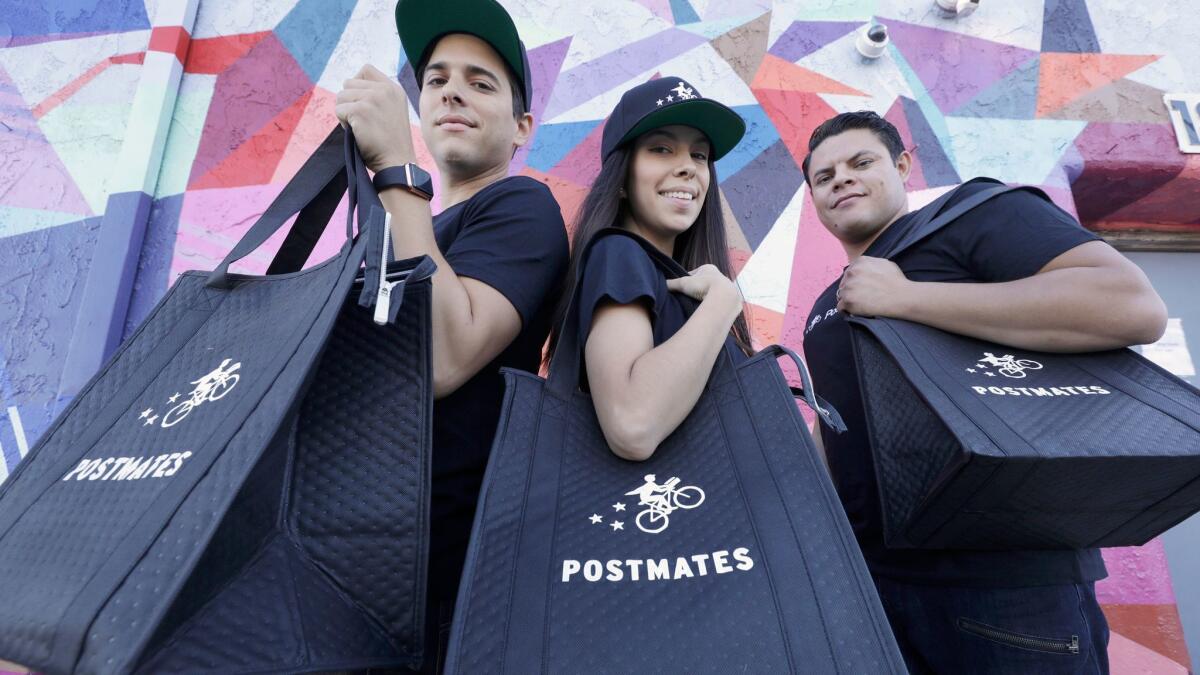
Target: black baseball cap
{"points": [[421, 23], [671, 100]]}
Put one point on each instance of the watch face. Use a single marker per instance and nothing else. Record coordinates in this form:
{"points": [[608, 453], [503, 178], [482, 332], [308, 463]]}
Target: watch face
{"points": [[422, 180]]}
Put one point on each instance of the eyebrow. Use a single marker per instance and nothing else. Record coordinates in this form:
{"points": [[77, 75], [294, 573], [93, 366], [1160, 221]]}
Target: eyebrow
{"points": [[853, 159], [470, 68]]}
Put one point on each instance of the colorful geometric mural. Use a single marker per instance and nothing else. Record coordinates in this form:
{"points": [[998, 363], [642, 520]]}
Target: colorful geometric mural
{"points": [[141, 139]]}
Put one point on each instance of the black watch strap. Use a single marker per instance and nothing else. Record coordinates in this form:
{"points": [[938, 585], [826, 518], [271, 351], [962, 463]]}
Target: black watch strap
{"points": [[408, 176]]}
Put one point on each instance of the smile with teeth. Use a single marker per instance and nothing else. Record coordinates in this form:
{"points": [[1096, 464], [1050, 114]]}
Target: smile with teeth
{"points": [[678, 195]]}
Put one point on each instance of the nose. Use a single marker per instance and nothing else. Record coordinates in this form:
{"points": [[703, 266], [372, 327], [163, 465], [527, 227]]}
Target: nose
{"points": [[841, 180], [686, 167], [450, 92]]}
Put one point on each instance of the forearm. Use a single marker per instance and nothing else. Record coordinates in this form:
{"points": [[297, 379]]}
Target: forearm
{"points": [[451, 315], [1063, 310], [665, 383]]}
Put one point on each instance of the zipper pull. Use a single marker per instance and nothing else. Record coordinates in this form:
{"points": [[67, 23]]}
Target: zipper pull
{"points": [[1074, 647], [383, 299], [383, 302]]}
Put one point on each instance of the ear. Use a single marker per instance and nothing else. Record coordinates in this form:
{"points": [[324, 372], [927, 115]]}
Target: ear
{"points": [[904, 165], [524, 130]]}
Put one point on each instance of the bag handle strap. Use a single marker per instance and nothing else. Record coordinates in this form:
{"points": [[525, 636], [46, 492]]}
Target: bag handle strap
{"points": [[828, 414], [312, 193], [932, 218]]}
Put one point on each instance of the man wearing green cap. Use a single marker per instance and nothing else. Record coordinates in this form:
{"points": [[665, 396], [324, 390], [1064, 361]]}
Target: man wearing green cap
{"points": [[499, 242]]}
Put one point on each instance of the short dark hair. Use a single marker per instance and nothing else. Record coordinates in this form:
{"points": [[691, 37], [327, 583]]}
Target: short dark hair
{"points": [[515, 84], [884, 130]]}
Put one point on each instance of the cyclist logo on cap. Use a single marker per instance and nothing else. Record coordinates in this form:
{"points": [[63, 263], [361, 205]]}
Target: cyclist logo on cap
{"points": [[684, 92]]}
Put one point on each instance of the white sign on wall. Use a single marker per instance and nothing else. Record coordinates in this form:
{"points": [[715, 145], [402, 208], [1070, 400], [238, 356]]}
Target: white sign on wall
{"points": [[1184, 110], [1171, 351]]}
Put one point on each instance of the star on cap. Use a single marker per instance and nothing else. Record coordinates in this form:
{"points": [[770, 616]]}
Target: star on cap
{"points": [[595, 519], [970, 370], [145, 413], [619, 506], [617, 525], [660, 101], [670, 98], [990, 374], [173, 398]]}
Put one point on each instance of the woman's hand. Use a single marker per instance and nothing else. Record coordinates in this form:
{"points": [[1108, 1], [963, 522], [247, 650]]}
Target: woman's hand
{"points": [[706, 282]]}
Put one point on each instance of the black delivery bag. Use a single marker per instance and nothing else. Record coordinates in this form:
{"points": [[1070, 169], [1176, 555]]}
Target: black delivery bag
{"points": [[982, 446], [726, 552], [244, 486]]}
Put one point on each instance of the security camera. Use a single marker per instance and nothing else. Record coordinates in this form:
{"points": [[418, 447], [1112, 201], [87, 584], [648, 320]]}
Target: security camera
{"points": [[872, 40], [958, 7]]}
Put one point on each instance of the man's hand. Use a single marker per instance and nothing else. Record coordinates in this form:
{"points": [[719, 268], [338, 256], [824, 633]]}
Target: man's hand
{"points": [[873, 287], [375, 107]]}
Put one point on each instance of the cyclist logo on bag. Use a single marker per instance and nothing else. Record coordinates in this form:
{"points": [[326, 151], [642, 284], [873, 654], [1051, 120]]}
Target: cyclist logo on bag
{"points": [[1007, 365], [210, 387], [661, 500]]}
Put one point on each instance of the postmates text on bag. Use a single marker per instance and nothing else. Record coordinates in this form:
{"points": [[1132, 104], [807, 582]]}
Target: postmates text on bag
{"points": [[658, 502], [1008, 367]]}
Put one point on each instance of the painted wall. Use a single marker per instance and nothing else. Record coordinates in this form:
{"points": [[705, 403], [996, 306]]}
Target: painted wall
{"points": [[140, 139]]}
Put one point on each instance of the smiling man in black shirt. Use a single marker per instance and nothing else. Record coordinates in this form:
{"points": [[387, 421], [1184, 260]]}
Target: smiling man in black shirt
{"points": [[1016, 271], [499, 242]]}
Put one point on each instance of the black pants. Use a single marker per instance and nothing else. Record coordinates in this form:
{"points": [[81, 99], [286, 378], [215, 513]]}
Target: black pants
{"points": [[1023, 631]]}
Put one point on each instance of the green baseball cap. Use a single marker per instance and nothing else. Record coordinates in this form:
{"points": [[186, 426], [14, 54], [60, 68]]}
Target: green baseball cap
{"points": [[421, 23]]}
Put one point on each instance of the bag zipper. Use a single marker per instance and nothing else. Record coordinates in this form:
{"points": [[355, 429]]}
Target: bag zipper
{"points": [[982, 630], [383, 298]]}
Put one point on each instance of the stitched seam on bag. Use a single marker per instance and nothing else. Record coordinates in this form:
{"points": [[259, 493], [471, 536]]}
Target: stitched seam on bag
{"points": [[553, 544], [1109, 382], [425, 480], [512, 579], [464, 591], [181, 580], [866, 587], [791, 525]]}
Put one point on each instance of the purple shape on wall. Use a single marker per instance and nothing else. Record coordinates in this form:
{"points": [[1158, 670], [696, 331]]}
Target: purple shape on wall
{"points": [[588, 80], [1115, 171], [1067, 27], [935, 165], [262, 84], [41, 291], [1014, 97], [544, 62], [953, 67], [154, 265], [761, 191], [100, 325], [75, 18], [805, 37]]}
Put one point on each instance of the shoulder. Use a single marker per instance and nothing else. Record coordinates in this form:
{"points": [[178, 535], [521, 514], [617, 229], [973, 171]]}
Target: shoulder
{"points": [[1023, 200], [521, 202], [516, 190], [619, 254]]}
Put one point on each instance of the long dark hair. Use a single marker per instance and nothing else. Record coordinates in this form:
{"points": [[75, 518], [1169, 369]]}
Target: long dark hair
{"points": [[703, 243]]}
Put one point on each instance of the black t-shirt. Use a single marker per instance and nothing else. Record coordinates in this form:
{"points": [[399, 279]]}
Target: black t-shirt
{"points": [[510, 236], [1008, 237], [619, 270]]}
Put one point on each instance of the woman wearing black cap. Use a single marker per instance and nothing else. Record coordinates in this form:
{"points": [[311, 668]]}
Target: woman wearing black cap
{"points": [[647, 359]]}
